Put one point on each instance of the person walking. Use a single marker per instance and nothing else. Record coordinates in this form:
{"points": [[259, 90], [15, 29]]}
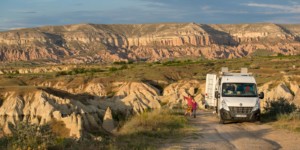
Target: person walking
{"points": [[194, 107], [189, 100]]}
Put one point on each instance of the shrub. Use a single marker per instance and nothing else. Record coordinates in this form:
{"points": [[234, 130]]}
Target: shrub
{"points": [[157, 62], [274, 109], [113, 69], [61, 73], [120, 62], [27, 136], [172, 63], [75, 71], [123, 67], [130, 62], [280, 55], [247, 64], [209, 64]]}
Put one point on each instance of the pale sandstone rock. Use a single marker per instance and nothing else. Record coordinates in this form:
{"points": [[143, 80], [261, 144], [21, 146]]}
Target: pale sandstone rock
{"points": [[280, 91], [136, 95], [108, 121], [294, 87], [6, 129], [40, 107], [173, 94], [297, 98], [43, 106]]}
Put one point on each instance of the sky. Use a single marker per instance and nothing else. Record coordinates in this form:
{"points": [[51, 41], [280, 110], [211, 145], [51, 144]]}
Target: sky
{"points": [[33, 13]]}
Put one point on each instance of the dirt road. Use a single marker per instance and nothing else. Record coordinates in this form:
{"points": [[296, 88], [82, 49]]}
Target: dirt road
{"points": [[242, 136]]}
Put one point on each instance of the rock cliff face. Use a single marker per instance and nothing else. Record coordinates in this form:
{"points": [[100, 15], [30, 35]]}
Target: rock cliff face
{"points": [[148, 42]]}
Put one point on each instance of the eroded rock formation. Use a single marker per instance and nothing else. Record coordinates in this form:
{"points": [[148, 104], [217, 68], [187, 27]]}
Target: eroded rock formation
{"points": [[108, 121], [173, 94], [285, 89], [93, 109], [79, 111], [41, 107], [84, 43]]}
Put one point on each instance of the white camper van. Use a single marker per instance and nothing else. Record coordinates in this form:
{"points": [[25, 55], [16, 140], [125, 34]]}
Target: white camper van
{"points": [[234, 95]]}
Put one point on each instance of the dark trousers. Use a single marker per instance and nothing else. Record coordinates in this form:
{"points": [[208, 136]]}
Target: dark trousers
{"points": [[194, 112]]}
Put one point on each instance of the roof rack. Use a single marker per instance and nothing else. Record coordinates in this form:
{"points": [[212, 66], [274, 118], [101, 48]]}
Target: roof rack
{"points": [[244, 72]]}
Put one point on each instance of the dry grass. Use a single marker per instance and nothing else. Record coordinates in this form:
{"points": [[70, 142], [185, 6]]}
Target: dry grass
{"points": [[289, 121], [19, 90], [282, 114], [152, 126], [270, 68], [152, 122], [11, 82]]}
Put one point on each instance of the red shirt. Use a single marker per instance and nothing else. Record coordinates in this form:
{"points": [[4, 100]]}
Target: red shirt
{"points": [[189, 100]]}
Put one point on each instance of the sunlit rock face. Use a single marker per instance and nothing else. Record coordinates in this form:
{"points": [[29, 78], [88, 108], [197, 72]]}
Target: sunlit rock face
{"points": [[84, 43], [286, 89], [85, 107], [81, 109], [41, 107], [173, 94]]}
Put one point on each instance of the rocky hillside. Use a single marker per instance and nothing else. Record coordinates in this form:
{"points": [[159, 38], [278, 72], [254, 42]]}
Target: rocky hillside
{"points": [[80, 109], [90, 107], [84, 43]]}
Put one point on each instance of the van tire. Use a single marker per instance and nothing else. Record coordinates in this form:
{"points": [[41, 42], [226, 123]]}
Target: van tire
{"points": [[258, 118], [221, 121]]}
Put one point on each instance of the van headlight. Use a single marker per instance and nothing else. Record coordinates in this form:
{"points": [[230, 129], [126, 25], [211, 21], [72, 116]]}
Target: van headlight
{"points": [[256, 107], [224, 106]]}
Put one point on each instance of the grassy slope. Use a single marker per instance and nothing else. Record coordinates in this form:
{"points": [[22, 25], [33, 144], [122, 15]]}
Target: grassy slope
{"points": [[150, 129], [264, 68]]}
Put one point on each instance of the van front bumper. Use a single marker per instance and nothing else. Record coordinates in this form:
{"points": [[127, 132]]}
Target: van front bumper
{"points": [[228, 115]]}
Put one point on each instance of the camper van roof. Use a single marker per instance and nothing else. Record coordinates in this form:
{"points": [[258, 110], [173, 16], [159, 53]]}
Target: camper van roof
{"points": [[235, 74], [238, 79]]}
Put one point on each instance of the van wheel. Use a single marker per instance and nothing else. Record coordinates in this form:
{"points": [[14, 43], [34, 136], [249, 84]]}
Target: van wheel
{"points": [[258, 118], [221, 121]]}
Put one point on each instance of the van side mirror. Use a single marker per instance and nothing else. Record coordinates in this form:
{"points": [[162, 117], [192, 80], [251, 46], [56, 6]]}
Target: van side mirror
{"points": [[261, 95], [217, 94]]}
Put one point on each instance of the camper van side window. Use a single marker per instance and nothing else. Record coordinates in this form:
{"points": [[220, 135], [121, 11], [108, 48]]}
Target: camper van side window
{"points": [[239, 90]]}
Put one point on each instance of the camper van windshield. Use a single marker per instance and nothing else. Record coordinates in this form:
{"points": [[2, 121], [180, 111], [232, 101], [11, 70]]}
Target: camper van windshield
{"points": [[239, 90]]}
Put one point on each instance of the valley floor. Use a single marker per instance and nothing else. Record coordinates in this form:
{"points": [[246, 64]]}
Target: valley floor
{"points": [[209, 134]]}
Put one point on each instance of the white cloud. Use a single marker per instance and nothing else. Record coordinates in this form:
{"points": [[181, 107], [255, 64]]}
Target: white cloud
{"points": [[206, 8], [276, 8]]}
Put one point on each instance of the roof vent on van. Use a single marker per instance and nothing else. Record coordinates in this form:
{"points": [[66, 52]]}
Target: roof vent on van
{"points": [[244, 70], [224, 69]]}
